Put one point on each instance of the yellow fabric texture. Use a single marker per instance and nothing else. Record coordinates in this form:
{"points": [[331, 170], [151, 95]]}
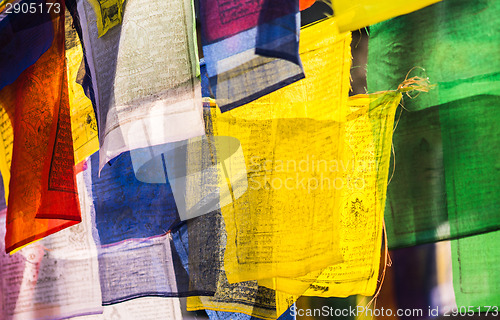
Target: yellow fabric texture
{"points": [[242, 297], [240, 302], [7, 135], [109, 13], [83, 122], [286, 223], [356, 14], [368, 140], [369, 132]]}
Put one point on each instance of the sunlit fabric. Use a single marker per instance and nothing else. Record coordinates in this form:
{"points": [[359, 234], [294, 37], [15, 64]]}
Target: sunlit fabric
{"points": [[127, 208], [83, 121], [476, 277], [292, 141], [445, 180], [250, 48], [445, 174], [42, 191], [108, 14], [220, 315], [246, 297], [23, 39], [144, 76], [356, 14], [56, 277], [455, 42], [145, 308], [135, 225], [243, 298], [367, 140]]}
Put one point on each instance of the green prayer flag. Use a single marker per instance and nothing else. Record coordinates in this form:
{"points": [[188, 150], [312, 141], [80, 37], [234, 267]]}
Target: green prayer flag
{"points": [[446, 173], [476, 275], [457, 42], [446, 160]]}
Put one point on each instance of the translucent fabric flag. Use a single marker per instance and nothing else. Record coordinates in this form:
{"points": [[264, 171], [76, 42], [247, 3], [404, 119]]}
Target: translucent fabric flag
{"points": [[290, 140], [355, 14], [134, 229], [247, 297], [455, 41], [476, 277], [126, 208], [193, 169], [108, 13], [144, 76], [42, 190], [445, 180], [431, 196], [250, 48], [367, 140], [54, 278], [24, 38], [83, 122]]}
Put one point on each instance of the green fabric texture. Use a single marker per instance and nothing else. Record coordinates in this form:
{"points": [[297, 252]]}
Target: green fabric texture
{"points": [[446, 159], [457, 42], [476, 276], [445, 182]]}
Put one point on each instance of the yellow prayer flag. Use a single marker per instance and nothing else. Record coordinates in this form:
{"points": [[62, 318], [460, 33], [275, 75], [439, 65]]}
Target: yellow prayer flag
{"points": [[286, 224], [356, 14], [368, 140], [83, 122]]}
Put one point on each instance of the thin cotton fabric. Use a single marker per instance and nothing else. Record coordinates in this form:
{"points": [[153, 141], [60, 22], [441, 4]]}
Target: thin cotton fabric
{"points": [[475, 273], [23, 39], [144, 249], [42, 190], [367, 139], [250, 48], [455, 41], [3, 3], [108, 14], [355, 14], [243, 299], [56, 277], [83, 121], [135, 226], [290, 142], [193, 169], [445, 180], [144, 76]]}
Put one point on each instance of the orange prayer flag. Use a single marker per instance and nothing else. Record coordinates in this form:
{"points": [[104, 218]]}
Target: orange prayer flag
{"points": [[42, 193], [304, 4]]}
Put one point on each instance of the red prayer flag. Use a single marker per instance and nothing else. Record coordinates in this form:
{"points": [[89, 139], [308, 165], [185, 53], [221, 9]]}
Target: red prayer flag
{"points": [[43, 197]]}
